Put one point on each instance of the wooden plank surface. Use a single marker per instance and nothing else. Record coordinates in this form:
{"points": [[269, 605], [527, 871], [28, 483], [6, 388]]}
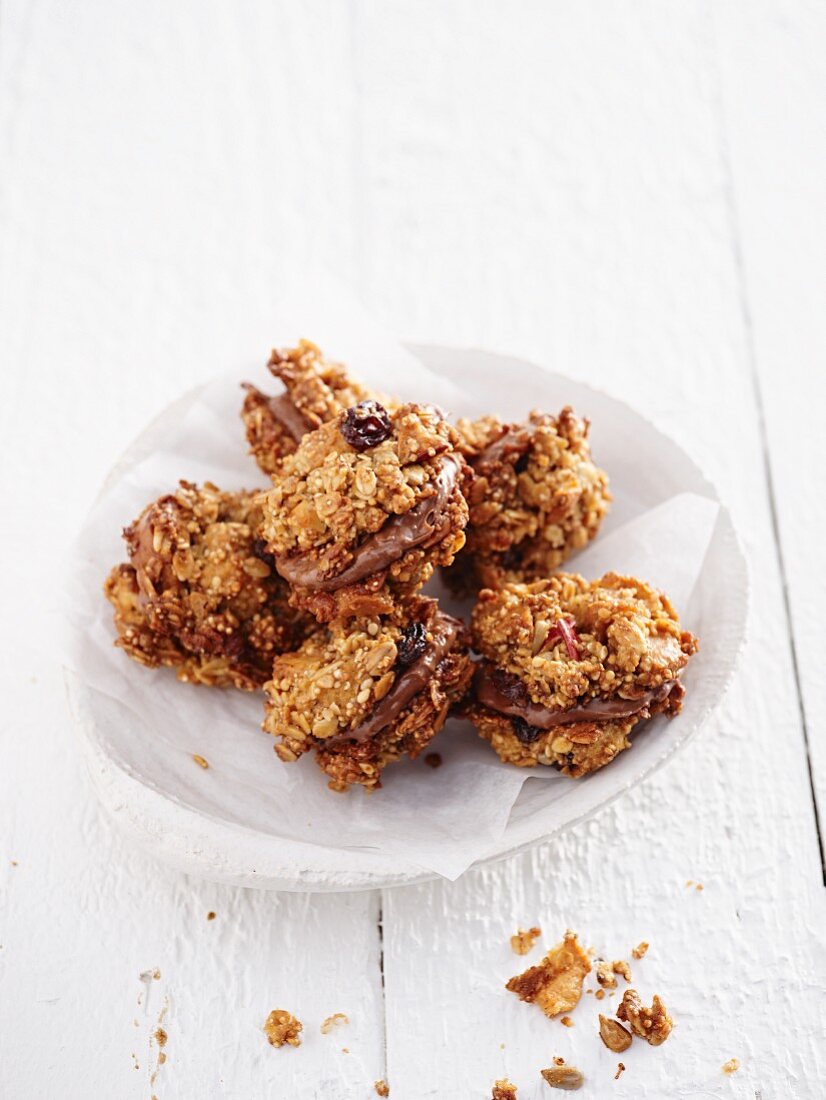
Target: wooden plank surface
{"points": [[585, 184]]}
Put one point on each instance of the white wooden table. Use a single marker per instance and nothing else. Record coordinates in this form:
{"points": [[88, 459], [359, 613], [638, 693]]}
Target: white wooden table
{"points": [[632, 192]]}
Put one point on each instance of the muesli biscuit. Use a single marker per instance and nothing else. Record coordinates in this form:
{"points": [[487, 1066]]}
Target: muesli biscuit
{"points": [[365, 509], [200, 592], [536, 499], [364, 692], [315, 390], [570, 667]]}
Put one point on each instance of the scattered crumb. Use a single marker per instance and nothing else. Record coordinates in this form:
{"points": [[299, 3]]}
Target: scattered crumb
{"points": [[433, 760], [331, 1021], [503, 1090], [555, 984], [382, 1088], [14, 863], [161, 1058], [501, 1046], [731, 1066], [523, 941], [614, 1035], [558, 1061], [563, 1077], [567, 1021], [281, 1027], [605, 975], [652, 1024], [161, 1037], [150, 975], [619, 966], [620, 1070], [699, 886], [600, 993], [345, 1050], [690, 882], [640, 950], [200, 761]]}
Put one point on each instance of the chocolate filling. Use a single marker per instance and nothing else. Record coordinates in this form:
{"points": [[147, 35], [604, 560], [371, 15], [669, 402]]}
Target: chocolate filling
{"points": [[544, 718], [407, 684], [426, 523], [289, 417]]}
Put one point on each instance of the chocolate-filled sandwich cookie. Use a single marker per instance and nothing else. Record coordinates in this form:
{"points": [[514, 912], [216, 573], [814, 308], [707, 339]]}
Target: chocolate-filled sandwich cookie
{"points": [[365, 692], [200, 592], [315, 390], [570, 667], [536, 499], [365, 509]]}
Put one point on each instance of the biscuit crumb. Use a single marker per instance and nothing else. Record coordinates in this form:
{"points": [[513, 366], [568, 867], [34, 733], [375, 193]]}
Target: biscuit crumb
{"points": [[558, 1061], [731, 1066], [614, 1035], [605, 975], [563, 1077], [639, 951], [281, 1027], [382, 1088], [433, 760], [620, 1070], [619, 966], [652, 1024], [210, 915], [161, 1058], [14, 863], [523, 941], [600, 993], [690, 882], [200, 761], [567, 1021], [699, 886], [555, 984], [161, 1037], [331, 1021], [503, 1090]]}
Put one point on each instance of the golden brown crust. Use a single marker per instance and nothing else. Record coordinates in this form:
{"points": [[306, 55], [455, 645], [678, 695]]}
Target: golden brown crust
{"points": [[317, 389], [537, 498], [332, 684], [200, 593], [328, 501], [555, 984], [627, 646]]}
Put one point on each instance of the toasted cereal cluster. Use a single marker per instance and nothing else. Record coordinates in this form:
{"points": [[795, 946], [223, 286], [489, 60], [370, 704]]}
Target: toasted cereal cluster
{"points": [[366, 508], [536, 499], [570, 667], [555, 984], [365, 692], [200, 593], [316, 390]]}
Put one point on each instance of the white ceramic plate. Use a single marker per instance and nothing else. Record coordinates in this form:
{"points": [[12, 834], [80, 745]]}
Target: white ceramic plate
{"points": [[646, 468]]}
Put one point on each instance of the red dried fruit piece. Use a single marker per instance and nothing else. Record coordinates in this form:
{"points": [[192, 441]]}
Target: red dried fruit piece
{"points": [[366, 425], [565, 631]]}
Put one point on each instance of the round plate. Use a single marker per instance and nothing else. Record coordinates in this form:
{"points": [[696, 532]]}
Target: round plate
{"points": [[646, 469]]}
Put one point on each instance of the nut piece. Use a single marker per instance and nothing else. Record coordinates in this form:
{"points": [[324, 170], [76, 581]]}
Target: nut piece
{"points": [[652, 1024], [731, 1066], [523, 941], [281, 1027], [563, 1077], [555, 984], [640, 950], [503, 1090], [331, 1021], [382, 1088], [614, 1035]]}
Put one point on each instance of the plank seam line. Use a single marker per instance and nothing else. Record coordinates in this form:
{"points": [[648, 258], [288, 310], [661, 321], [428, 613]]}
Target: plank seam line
{"points": [[383, 990], [751, 353]]}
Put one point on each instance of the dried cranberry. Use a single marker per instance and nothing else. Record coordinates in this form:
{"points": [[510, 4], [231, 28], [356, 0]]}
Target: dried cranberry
{"points": [[524, 732], [521, 463], [259, 549], [412, 644], [366, 425], [510, 686]]}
